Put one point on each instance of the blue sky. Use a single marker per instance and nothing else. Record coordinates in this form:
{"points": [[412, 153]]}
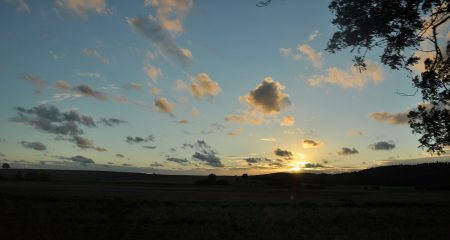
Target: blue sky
{"points": [[196, 87]]}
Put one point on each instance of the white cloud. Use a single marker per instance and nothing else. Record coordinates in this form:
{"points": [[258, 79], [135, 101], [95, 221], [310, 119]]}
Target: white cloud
{"points": [[313, 35], [21, 5]]}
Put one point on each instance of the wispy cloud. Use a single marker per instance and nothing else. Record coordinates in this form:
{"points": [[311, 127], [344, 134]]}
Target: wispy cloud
{"points": [[351, 78], [82, 7], [314, 57], [34, 145], [150, 28], [21, 5], [96, 55], [390, 118]]}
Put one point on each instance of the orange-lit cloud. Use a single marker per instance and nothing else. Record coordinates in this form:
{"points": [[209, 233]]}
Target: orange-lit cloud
{"points": [[287, 121], [202, 85]]}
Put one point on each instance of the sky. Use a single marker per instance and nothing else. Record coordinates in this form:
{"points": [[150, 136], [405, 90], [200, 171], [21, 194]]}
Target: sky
{"points": [[194, 87]]}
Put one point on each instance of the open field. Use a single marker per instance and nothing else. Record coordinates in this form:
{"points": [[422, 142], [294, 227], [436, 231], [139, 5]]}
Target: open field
{"points": [[152, 207]]}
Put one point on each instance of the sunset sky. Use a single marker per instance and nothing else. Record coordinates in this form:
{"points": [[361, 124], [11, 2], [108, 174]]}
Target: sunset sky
{"points": [[193, 87]]}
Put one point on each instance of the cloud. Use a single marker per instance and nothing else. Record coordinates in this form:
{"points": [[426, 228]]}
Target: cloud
{"points": [[179, 86], [164, 106], [35, 80], [155, 91], [111, 122], [88, 91], [235, 132], [315, 58], [308, 143], [382, 145], [82, 7], [49, 119], [314, 165], [288, 53], [287, 121], [120, 155], [267, 98], [81, 90], [96, 55], [61, 84], [133, 140], [80, 159], [170, 13], [34, 145], [177, 160], [246, 118], [89, 74], [268, 139], [252, 160], [183, 121], [390, 118], [204, 153], [352, 78], [134, 86], [313, 35], [153, 72], [202, 85], [85, 143], [348, 151], [21, 5], [354, 133], [287, 155], [150, 28], [214, 127], [149, 147]]}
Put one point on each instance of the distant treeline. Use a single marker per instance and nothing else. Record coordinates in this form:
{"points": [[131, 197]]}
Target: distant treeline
{"points": [[426, 174]]}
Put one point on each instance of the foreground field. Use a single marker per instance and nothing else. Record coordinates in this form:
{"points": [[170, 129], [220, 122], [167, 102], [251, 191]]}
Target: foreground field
{"points": [[85, 210]]}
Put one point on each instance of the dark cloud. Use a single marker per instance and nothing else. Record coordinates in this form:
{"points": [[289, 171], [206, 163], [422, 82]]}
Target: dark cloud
{"points": [[152, 30], [156, 165], [382, 145], [348, 151], [85, 143], [284, 154], [111, 122], [177, 160], [49, 119], [34, 145], [257, 160], [309, 143], [390, 118], [267, 97], [80, 159], [314, 165], [120, 155], [88, 91], [149, 147], [133, 140], [204, 153]]}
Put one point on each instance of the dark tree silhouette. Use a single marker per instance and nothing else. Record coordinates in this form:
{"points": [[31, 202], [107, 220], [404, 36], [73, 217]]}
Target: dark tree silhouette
{"points": [[245, 176], [212, 178], [5, 166], [399, 28]]}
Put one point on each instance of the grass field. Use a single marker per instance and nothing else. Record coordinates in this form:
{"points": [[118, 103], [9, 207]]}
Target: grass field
{"points": [[152, 208]]}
